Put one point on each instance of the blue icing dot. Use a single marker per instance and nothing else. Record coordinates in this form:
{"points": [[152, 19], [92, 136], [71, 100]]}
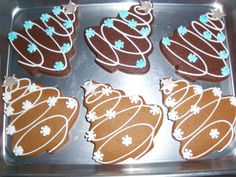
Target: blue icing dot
{"points": [[58, 66], [207, 35], [203, 18], [28, 24], [44, 17], [221, 37], [132, 23], [224, 54], [123, 14], [225, 71], [12, 36], [108, 23], [90, 33], [119, 44], [192, 58], [32, 48], [65, 48], [166, 41], [68, 24], [141, 63], [50, 30], [182, 30], [144, 31], [56, 10]]}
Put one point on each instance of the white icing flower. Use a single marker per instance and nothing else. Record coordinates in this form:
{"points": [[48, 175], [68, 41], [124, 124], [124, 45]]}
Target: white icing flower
{"points": [[51, 101], [217, 92], [214, 133], [91, 116], [32, 88], [106, 91], [90, 135], [90, 87], [98, 156], [71, 103], [187, 154], [110, 114], [10, 130], [195, 109], [178, 134], [134, 99], [198, 90], [170, 102], [6, 96], [173, 115], [45, 130], [26, 105], [126, 140], [18, 150], [233, 101], [167, 86], [154, 110], [9, 111]]}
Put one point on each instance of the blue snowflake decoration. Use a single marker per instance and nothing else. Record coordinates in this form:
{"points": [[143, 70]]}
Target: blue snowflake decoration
{"points": [[45, 18], [221, 37], [207, 35], [123, 14], [108, 23], [224, 54], [32, 48], [225, 71], [204, 19], [12, 36], [141, 63], [192, 58], [50, 31], [90, 33], [182, 30], [166, 41], [68, 24], [56, 10], [59, 66], [132, 24], [144, 31], [65, 47], [28, 24], [119, 44]]}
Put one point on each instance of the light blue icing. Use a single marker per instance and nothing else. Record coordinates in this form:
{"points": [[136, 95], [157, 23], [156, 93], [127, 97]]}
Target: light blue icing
{"points": [[50, 30], [221, 37], [65, 48], [192, 58], [166, 41], [44, 17], [203, 18], [119, 44], [132, 23], [58, 66], [123, 14], [108, 23], [90, 33], [32, 48], [182, 30], [68, 24], [12, 36], [224, 54], [207, 35], [28, 24], [141, 63], [225, 71], [144, 31], [56, 10]]}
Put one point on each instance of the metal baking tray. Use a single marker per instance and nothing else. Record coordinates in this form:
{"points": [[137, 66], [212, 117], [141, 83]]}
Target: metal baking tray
{"points": [[75, 157]]}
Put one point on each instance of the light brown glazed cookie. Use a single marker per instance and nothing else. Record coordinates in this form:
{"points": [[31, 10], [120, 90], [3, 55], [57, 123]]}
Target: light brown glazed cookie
{"points": [[203, 119], [40, 117], [122, 126]]}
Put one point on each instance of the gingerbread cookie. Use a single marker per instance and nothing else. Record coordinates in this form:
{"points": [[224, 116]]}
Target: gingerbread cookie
{"points": [[45, 45], [40, 117], [198, 51], [203, 119], [122, 126], [122, 43]]}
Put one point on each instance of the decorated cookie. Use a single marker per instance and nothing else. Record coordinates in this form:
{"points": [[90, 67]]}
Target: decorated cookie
{"points": [[203, 119], [197, 51], [39, 117], [122, 126], [122, 43], [45, 45]]}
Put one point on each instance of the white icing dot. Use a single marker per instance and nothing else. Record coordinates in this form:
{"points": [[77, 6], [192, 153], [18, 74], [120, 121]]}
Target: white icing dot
{"points": [[51, 101], [126, 140], [198, 90], [91, 116], [90, 135], [187, 154], [110, 114], [45, 130], [195, 109], [18, 150], [214, 133], [233, 101], [26, 105], [134, 99], [32, 88], [173, 115], [9, 111], [167, 86], [155, 110], [170, 102], [178, 134], [217, 92], [98, 156], [6, 96], [10, 130], [106, 91], [71, 103]]}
